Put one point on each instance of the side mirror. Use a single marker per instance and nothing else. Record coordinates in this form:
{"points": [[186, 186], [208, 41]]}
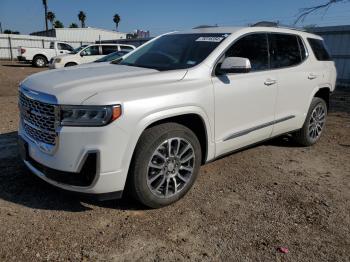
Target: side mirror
{"points": [[235, 65], [82, 53]]}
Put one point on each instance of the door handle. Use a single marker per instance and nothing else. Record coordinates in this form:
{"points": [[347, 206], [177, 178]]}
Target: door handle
{"points": [[269, 82], [61, 52], [312, 76]]}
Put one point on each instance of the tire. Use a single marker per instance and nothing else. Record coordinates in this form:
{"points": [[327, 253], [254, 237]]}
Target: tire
{"points": [[314, 123], [150, 163], [39, 61], [70, 64]]}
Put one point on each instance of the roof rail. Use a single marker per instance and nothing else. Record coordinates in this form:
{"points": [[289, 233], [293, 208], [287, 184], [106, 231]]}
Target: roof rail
{"points": [[204, 26], [276, 24], [266, 24]]}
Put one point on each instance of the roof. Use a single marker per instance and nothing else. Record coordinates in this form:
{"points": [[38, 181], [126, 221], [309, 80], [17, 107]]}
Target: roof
{"points": [[212, 29]]}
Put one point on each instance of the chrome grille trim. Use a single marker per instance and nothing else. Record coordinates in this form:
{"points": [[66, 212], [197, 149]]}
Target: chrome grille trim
{"points": [[39, 118]]}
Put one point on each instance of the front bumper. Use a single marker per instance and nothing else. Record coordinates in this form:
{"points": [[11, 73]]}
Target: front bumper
{"points": [[55, 65], [74, 146]]}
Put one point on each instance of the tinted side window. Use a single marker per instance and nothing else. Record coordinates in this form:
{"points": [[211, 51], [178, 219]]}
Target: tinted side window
{"points": [[62, 46], [255, 48], [303, 51], [126, 48], [319, 49], [92, 50], [284, 50], [107, 49]]}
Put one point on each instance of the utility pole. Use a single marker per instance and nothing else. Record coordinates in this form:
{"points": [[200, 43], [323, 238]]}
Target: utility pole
{"points": [[0, 28], [45, 8]]}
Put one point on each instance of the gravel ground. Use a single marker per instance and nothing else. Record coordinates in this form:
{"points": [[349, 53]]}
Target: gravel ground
{"points": [[242, 207]]}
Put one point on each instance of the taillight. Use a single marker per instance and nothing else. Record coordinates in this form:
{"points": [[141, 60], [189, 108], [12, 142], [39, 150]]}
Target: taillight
{"points": [[23, 50]]}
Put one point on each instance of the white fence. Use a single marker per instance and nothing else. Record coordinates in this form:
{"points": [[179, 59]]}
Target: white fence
{"points": [[9, 44]]}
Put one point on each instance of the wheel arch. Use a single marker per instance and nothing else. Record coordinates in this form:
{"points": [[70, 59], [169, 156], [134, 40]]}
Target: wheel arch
{"points": [[178, 115], [39, 55], [192, 121], [323, 92]]}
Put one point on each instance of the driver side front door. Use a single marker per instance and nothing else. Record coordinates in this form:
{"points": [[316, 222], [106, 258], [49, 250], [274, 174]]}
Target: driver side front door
{"points": [[245, 102]]}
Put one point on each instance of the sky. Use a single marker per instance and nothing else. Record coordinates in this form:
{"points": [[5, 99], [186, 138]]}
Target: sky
{"points": [[160, 16]]}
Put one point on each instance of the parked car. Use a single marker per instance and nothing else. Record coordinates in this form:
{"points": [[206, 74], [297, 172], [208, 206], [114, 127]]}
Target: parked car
{"points": [[87, 54], [181, 100], [39, 57], [112, 57]]}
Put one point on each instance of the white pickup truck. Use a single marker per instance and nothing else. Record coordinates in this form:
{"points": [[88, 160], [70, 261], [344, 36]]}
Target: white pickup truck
{"points": [[39, 57]]}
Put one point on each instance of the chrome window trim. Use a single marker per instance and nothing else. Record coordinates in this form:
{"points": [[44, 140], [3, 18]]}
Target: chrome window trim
{"points": [[252, 129]]}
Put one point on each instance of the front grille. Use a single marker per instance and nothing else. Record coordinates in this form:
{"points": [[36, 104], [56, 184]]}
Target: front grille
{"points": [[38, 119]]}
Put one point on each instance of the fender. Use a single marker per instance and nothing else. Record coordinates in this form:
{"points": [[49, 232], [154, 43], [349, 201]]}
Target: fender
{"points": [[164, 114], [315, 90]]}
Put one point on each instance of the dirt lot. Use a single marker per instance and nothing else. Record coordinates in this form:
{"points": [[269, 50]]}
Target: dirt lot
{"points": [[242, 207]]}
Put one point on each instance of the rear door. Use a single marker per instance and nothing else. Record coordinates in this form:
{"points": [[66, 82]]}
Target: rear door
{"points": [[288, 59]]}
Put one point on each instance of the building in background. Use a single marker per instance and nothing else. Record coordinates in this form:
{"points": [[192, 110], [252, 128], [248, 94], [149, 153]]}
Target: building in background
{"points": [[88, 34], [337, 39], [139, 34]]}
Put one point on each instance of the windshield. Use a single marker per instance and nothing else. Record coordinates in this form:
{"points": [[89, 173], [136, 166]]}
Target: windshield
{"points": [[175, 51], [77, 50], [112, 56]]}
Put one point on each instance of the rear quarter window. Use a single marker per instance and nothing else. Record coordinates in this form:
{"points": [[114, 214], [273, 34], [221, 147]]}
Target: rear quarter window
{"points": [[319, 49]]}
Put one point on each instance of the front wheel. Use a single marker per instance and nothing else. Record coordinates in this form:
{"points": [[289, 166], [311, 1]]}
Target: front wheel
{"points": [[165, 164], [314, 124]]}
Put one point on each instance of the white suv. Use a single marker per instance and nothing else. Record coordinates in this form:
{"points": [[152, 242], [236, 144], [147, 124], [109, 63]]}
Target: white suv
{"points": [[148, 123], [87, 54]]}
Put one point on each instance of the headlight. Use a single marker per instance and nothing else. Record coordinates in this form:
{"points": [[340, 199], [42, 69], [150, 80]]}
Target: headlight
{"points": [[58, 60], [89, 115]]}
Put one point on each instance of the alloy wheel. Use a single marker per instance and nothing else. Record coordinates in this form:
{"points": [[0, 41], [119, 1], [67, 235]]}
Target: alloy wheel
{"points": [[171, 167]]}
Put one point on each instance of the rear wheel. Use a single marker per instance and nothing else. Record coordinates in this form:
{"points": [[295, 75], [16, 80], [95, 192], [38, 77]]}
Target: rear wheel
{"points": [[39, 61], [165, 165], [314, 124]]}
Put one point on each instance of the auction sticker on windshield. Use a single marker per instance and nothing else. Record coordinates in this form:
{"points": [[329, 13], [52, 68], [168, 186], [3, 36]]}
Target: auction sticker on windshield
{"points": [[210, 39]]}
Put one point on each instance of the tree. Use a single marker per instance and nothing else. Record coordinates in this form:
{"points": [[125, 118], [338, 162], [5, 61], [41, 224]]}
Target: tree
{"points": [[45, 9], [8, 31], [73, 25], [58, 24], [304, 12], [51, 17], [116, 20], [82, 18]]}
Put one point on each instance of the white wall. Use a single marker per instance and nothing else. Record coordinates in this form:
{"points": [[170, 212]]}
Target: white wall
{"points": [[73, 36], [87, 34]]}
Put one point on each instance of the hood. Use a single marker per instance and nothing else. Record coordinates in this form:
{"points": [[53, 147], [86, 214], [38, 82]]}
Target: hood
{"points": [[73, 85]]}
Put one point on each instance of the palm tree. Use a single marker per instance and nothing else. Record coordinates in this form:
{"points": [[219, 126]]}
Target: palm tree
{"points": [[45, 8], [51, 17], [116, 20], [58, 24], [73, 25], [82, 18]]}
